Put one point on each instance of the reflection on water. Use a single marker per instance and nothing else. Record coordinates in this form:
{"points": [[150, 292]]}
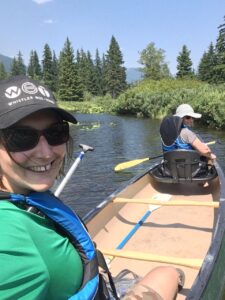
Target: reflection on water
{"points": [[116, 139]]}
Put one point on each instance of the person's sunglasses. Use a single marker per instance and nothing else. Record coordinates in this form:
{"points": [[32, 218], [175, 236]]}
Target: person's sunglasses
{"points": [[188, 117], [17, 139]]}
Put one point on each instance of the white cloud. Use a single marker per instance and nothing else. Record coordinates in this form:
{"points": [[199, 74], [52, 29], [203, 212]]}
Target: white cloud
{"points": [[49, 21], [41, 1]]}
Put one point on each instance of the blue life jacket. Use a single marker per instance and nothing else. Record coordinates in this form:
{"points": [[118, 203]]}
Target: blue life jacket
{"points": [[178, 144], [56, 210]]}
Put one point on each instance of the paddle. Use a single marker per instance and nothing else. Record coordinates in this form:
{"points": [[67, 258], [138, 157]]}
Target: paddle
{"points": [[85, 148], [135, 162], [132, 163], [163, 198]]}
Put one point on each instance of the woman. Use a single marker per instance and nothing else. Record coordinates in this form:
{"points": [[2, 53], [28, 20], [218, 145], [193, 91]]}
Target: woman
{"points": [[45, 251], [188, 139]]}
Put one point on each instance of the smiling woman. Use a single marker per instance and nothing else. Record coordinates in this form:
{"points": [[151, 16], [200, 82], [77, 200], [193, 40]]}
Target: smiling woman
{"points": [[34, 142], [45, 251]]}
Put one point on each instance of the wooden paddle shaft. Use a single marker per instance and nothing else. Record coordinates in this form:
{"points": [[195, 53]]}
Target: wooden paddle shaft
{"points": [[169, 203], [187, 262]]}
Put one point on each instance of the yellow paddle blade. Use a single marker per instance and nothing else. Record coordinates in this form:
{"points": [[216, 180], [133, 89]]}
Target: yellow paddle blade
{"points": [[129, 164]]}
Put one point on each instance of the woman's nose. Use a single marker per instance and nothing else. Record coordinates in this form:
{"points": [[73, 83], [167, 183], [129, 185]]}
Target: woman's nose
{"points": [[43, 147]]}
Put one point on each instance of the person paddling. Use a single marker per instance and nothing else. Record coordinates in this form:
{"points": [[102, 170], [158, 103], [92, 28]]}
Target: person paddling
{"points": [[176, 132], [45, 251]]}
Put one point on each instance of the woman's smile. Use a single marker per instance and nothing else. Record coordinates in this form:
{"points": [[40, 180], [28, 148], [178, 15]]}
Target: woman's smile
{"points": [[35, 169]]}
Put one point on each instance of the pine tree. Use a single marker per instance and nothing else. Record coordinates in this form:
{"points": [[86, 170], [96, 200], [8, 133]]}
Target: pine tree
{"points": [[81, 65], [14, 67], [184, 66], [34, 67], [91, 75], [220, 54], [47, 67], [153, 60], [98, 73], [18, 67], [3, 73], [206, 68], [115, 73], [30, 68], [70, 88], [55, 72], [104, 87]]}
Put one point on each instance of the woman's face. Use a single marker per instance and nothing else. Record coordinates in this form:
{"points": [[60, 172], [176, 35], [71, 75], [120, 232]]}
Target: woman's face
{"points": [[35, 169], [188, 121]]}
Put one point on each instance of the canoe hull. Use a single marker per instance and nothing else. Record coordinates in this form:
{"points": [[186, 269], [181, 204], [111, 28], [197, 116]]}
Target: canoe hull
{"points": [[159, 235]]}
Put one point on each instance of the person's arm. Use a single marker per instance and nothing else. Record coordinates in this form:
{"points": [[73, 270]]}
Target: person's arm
{"points": [[190, 137], [203, 149]]}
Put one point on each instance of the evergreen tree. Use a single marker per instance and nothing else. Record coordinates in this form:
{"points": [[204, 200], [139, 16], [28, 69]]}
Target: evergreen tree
{"points": [[47, 67], [70, 87], [34, 67], [104, 87], [81, 65], [14, 67], [3, 73], [18, 67], [91, 75], [184, 66], [220, 54], [206, 68], [55, 72], [115, 73], [30, 68], [98, 74]]}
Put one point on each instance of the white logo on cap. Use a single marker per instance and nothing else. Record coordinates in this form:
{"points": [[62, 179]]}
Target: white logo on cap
{"points": [[29, 88], [12, 92], [43, 91]]}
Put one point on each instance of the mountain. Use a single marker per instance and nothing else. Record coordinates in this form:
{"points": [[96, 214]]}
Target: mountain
{"points": [[133, 74], [7, 61]]}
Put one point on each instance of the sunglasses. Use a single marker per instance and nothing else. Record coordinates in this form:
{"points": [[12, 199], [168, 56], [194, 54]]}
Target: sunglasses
{"points": [[188, 117], [18, 139]]}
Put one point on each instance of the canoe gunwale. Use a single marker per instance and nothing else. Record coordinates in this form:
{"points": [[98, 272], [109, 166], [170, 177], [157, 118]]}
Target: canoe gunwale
{"points": [[206, 270], [102, 204]]}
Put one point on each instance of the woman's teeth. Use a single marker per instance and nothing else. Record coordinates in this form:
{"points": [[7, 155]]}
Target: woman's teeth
{"points": [[40, 168]]}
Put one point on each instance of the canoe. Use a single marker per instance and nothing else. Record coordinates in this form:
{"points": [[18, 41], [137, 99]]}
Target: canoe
{"points": [[151, 222]]}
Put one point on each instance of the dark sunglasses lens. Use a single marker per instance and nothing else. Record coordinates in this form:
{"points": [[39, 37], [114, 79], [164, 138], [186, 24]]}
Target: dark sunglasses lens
{"points": [[20, 139], [23, 139], [57, 134]]}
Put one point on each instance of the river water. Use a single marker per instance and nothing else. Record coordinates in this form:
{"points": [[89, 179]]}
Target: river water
{"points": [[116, 139]]}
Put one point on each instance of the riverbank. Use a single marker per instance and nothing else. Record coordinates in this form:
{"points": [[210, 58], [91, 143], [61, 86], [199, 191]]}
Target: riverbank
{"points": [[156, 99]]}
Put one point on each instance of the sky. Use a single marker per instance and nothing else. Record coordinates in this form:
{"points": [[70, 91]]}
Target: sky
{"points": [[89, 24]]}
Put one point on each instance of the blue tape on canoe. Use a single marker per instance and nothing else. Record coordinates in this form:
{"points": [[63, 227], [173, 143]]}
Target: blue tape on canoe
{"points": [[132, 232]]}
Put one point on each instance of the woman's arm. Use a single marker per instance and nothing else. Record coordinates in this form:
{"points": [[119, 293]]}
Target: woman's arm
{"points": [[203, 149]]}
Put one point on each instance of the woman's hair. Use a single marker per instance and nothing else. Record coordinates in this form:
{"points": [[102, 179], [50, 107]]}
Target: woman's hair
{"points": [[68, 157]]}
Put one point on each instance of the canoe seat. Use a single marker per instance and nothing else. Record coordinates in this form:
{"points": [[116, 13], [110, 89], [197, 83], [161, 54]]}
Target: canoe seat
{"points": [[183, 166]]}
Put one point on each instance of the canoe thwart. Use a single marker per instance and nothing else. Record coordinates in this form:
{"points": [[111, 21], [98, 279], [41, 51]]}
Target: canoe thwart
{"points": [[214, 204], [186, 262]]}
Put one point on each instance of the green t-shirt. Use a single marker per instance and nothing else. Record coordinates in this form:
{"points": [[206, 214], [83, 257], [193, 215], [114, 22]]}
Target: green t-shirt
{"points": [[36, 263]]}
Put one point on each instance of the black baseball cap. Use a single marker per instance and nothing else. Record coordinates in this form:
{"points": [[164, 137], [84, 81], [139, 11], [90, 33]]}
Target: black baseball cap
{"points": [[21, 96]]}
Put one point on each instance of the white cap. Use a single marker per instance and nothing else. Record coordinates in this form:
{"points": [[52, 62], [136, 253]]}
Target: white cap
{"points": [[186, 110]]}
